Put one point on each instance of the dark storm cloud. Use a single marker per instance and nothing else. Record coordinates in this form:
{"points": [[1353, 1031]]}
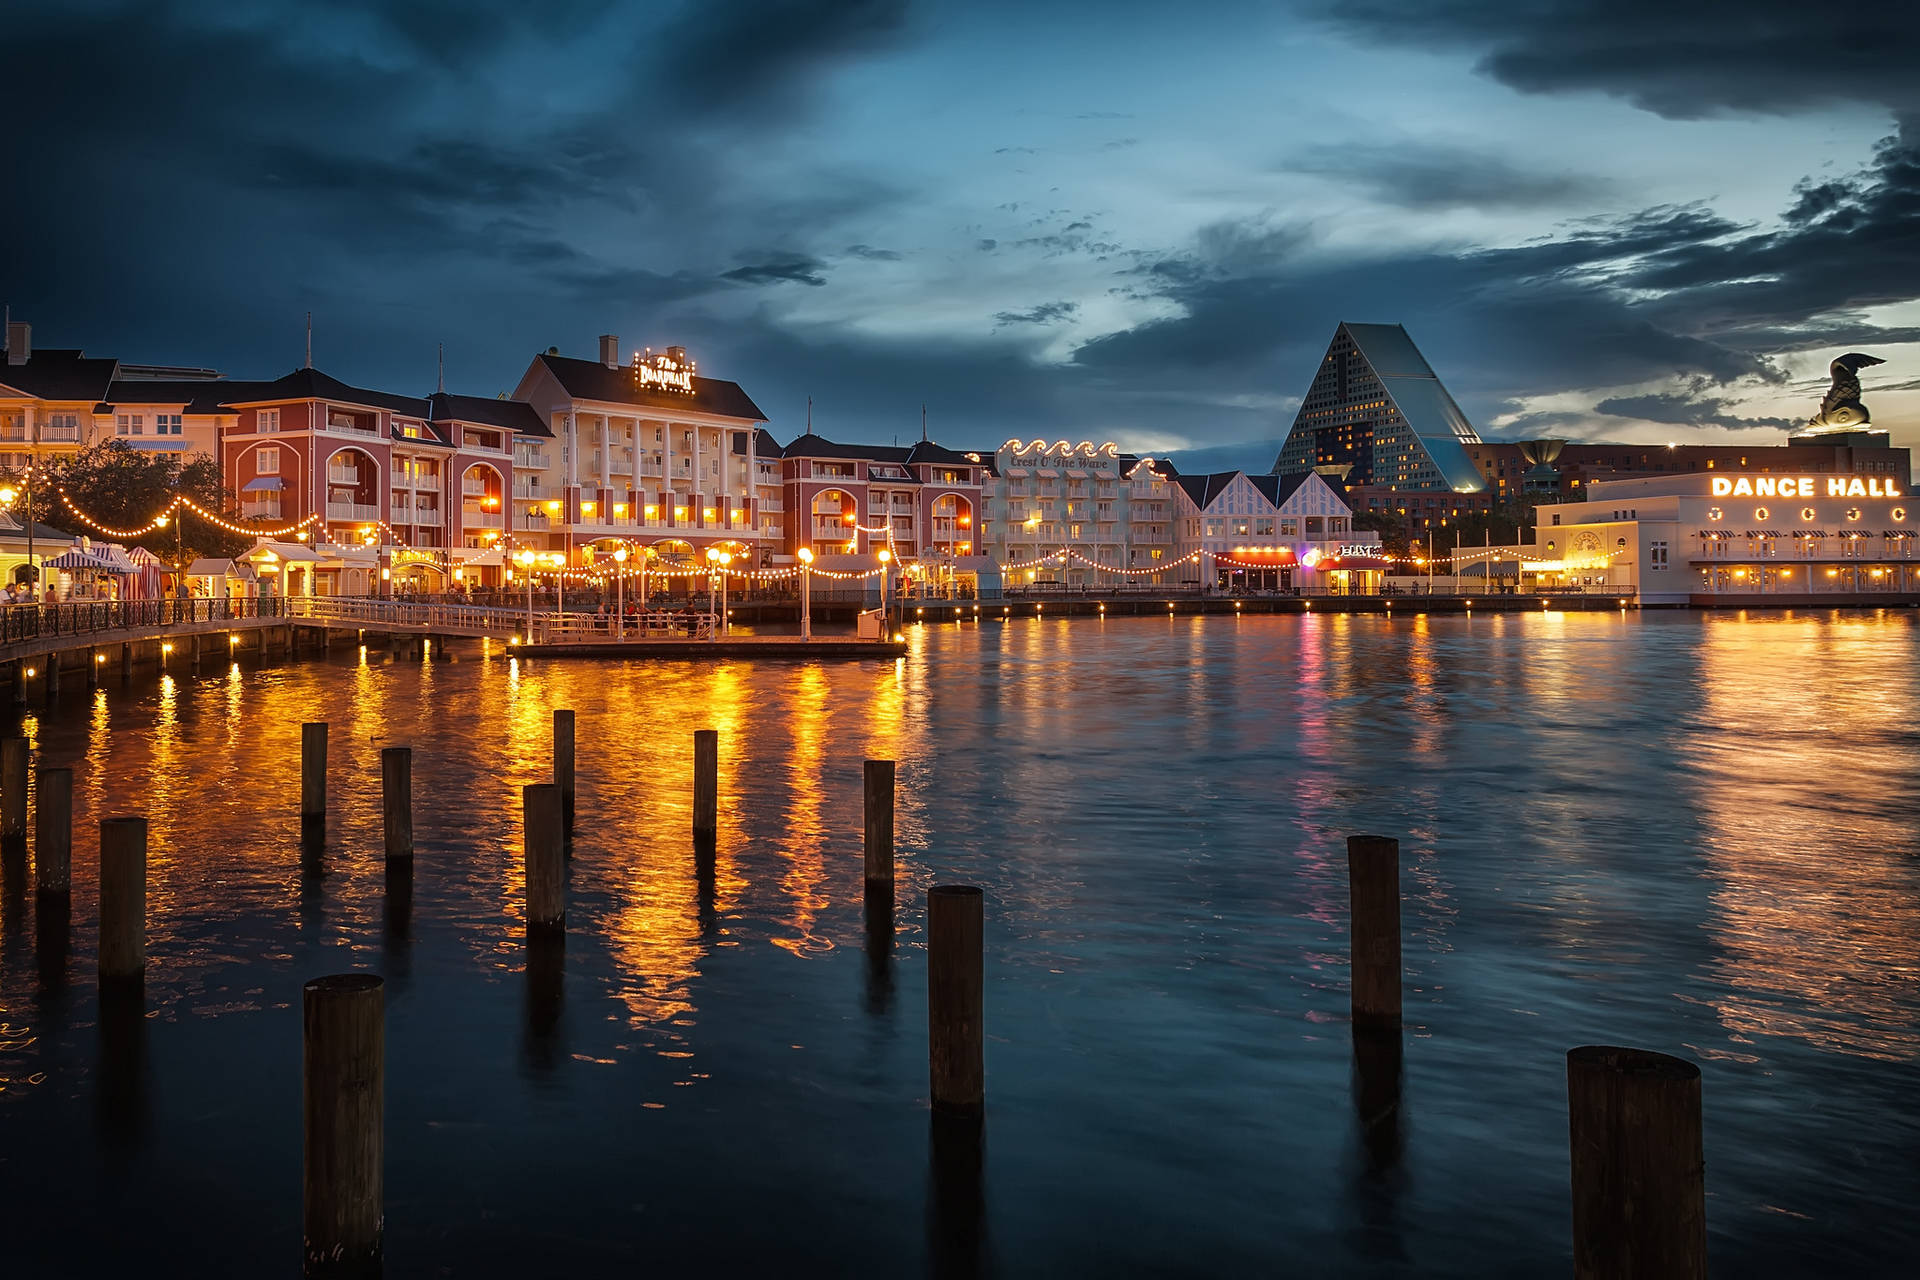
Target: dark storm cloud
{"points": [[783, 271], [757, 56], [868, 253], [1683, 61], [1045, 313], [450, 30], [1667, 292], [1428, 176], [1688, 410]]}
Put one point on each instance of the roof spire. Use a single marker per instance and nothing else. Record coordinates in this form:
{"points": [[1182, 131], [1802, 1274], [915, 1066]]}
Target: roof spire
{"points": [[309, 340], [443, 369], [923, 422], [809, 415]]}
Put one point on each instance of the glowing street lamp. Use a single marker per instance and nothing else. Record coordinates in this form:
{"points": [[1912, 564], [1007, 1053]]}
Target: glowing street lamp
{"points": [[806, 592], [526, 558], [886, 589], [722, 559], [620, 593]]}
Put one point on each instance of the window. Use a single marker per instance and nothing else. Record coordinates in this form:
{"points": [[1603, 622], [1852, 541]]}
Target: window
{"points": [[1216, 528], [1263, 527], [266, 420], [1656, 555], [166, 424], [266, 462], [1556, 517], [130, 424]]}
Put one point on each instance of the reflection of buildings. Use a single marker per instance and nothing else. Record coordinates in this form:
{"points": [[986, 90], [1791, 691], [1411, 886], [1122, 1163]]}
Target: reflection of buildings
{"points": [[1813, 900], [1726, 539]]}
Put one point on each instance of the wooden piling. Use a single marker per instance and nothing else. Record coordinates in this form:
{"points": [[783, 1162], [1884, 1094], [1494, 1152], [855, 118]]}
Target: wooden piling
{"points": [[313, 770], [396, 799], [1639, 1166], [343, 1102], [1373, 890], [19, 682], [93, 668], [544, 842], [53, 677], [123, 899], [126, 661], [53, 831], [563, 763], [706, 784], [955, 998], [878, 777], [13, 793]]}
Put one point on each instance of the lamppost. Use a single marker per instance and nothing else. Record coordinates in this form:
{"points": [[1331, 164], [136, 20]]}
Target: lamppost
{"points": [[722, 559], [806, 592], [620, 593], [646, 554], [526, 558], [886, 589]]}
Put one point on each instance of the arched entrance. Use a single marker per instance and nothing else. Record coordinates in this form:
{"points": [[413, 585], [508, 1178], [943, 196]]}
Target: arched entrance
{"points": [[835, 518], [353, 495], [483, 501]]}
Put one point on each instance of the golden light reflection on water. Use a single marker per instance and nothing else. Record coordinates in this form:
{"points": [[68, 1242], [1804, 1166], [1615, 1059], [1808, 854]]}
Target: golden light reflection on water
{"points": [[1813, 906]]}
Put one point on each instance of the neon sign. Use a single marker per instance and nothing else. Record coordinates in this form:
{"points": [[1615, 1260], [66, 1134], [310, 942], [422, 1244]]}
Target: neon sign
{"points": [[662, 371], [1803, 487]]}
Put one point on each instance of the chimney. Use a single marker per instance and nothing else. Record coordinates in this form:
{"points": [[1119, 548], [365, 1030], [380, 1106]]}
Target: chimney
{"points": [[610, 350], [19, 341]]}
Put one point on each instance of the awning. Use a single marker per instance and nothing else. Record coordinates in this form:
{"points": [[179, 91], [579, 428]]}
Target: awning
{"points": [[294, 551], [77, 559], [1354, 562], [1076, 473], [263, 483], [1896, 533]]}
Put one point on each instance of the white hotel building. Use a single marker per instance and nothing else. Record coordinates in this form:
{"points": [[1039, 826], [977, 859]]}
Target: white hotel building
{"points": [[1728, 540]]}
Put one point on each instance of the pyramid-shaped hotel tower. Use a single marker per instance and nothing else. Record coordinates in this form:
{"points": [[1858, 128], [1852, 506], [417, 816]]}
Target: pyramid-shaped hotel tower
{"points": [[1376, 410]]}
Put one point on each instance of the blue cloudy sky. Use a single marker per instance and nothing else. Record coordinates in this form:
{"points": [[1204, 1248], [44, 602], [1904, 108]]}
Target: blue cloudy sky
{"points": [[1600, 218]]}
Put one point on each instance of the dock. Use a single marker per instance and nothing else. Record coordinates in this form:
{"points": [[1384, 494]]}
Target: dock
{"points": [[751, 648]]}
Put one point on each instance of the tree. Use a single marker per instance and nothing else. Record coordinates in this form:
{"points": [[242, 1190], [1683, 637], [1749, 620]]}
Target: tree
{"points": [[1391, 527], [126, 488]]}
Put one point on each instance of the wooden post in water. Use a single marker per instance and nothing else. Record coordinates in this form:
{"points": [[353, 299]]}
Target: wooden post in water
{"points": [[19, 697], [126, 661], [13, 794], [706, 784], [123, 899], [878, 778], [53, 831], [93, 668], [563, 763], [1373, 889], [544, 841], [956, 1031], [1639, 1166], [343, 1103], [396, 799], [53, 677], [313, 772]]}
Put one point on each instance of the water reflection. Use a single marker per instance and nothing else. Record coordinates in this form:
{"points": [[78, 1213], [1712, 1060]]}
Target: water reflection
{"points": [[1806, 798], [956, 1198]]}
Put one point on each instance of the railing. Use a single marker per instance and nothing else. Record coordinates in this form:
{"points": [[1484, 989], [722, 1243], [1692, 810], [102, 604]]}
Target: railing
{"points": [[360, 611], [260, 510], [347, 426], [343, 475], [480, 519], [657, 624], [352, 511], [76, 618]]}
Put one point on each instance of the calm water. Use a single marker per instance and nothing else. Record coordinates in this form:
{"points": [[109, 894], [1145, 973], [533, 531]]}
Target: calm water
{"points": [[1689, 833]]}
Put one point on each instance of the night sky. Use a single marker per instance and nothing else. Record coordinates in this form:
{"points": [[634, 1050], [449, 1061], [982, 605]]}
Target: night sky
{"points": [[1611, 219]]}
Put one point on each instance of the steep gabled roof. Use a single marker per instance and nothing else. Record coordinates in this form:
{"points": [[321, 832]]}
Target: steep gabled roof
{"points": [[56, 373], [192, 395], [591, 380], [516, 416], [817, 446], [764, 445], [1204, 489], [933, 451], [311, 384]]}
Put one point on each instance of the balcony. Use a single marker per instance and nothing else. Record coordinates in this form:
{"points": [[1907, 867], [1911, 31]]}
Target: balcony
{"points": [[830, 531], [474, 518], [342, 425], [354, 511], [343, 475], [60, 433], [652, 467], [526, 486], [474, 486], [531, 459], [260, 510]]}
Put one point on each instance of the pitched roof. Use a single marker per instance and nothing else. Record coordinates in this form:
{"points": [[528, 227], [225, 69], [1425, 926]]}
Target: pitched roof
{"points": [[933, 451], [55, 373], [1205, 488], [311, 384], [764, 445], [816, 446], [193, 395], [591, 380], [516, 416]]}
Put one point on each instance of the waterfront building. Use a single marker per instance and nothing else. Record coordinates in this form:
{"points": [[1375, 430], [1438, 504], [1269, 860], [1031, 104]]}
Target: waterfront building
{"points": [[1562, 468], [1061, 512], [1276, 533], [1726, 538], [423, 476], [641, 450], [1377, 414], [922, 503]]}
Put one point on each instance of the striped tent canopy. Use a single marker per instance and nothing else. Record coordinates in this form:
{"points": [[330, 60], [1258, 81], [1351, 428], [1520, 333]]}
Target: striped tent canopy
{"points": [[78, 559]]}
